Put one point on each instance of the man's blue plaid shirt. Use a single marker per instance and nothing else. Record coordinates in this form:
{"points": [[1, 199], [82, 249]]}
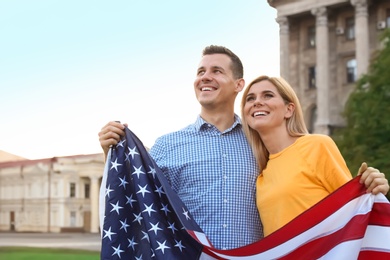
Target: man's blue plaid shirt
{"points": [[214, 174]]}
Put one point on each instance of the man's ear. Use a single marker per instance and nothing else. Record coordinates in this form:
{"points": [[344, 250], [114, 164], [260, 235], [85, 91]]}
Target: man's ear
{"points": [[240, 83]]}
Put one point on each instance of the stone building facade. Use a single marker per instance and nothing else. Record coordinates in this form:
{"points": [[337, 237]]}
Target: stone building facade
{"points": [[59, 194], [325, 46]]}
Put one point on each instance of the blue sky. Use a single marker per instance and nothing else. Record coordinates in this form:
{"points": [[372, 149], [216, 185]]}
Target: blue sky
{"points": [[69, 67]]}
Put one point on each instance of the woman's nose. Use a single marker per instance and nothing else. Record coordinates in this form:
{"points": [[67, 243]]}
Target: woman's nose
{"points": [[257, 102]]}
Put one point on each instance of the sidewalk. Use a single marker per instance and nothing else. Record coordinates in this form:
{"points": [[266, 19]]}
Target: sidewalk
{"points": [[85, 241]]}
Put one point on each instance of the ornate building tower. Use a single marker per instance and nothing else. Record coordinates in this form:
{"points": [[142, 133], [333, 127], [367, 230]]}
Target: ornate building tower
{"points": [[325, 46]]}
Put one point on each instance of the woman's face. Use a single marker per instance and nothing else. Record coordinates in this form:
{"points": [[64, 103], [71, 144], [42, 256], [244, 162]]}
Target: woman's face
{"points": [[264, 108]]}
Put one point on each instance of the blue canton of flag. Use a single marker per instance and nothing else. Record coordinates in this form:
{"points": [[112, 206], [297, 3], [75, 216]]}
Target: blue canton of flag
{"points": [[139, 222]]}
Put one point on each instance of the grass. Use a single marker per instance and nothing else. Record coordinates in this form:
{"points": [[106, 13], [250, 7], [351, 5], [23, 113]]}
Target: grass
{"points": [[30, 253]]}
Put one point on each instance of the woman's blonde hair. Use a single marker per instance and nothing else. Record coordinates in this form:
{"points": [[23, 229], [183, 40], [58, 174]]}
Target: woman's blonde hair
{"points": [[295, 124]]}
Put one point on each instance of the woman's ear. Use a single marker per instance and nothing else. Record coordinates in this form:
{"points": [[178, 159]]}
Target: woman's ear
{"points": [[290, 108]]}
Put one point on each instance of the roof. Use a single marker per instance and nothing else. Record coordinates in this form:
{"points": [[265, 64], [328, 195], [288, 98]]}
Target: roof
{"points": [[26, 162], [6, 157]]}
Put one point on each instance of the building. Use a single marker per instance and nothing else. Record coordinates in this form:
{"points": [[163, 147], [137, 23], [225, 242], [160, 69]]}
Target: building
{"points": [[59, 194], [325, 46]]}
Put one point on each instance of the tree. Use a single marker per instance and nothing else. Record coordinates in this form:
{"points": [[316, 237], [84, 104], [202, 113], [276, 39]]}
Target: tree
{"points": [[367, 112]]}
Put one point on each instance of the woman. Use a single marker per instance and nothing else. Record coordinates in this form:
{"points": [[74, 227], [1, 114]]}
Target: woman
{"points": [[299, 169]]}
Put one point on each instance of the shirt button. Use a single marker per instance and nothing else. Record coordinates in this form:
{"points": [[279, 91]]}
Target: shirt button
{"points": [[225, 177], [224, 225], [225, 200]]}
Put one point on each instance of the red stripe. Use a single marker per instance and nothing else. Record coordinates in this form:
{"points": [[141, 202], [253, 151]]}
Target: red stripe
{"points": [[354, 229], [369, 255], [380, 214]]}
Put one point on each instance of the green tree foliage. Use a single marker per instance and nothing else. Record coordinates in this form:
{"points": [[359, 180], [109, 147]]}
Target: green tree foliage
{"points": [[367, 112]]}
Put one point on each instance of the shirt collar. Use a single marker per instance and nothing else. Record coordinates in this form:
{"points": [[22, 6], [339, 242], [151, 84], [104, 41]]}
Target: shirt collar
{"points": [[200, 123]]}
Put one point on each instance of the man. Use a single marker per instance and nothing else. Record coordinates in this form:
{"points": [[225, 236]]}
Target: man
{"points": [[209, 164]]}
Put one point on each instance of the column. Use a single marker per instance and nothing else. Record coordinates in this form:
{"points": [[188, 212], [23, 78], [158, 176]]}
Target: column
{"points": [[322, 70], [361, 36], [94, 204], [284, 38]]}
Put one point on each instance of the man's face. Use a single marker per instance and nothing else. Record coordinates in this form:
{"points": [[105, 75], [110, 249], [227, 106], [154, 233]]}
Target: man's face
{"points": [[214, 83]]}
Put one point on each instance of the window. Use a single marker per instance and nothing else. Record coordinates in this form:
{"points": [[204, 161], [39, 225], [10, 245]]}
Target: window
{"points": [[350, 28], [351, 71], [72, 218], [312, 77], [388, 18], [311, 37], [313, 119], [72, 190], [86, 190]]}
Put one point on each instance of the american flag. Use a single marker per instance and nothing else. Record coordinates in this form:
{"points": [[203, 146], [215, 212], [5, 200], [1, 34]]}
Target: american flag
{"points": [[142, 218]]}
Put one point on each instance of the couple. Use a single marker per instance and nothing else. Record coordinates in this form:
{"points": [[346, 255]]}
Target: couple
{"points": [[227, 172]]}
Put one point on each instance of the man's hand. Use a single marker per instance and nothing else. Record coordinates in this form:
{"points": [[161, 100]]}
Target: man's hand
{"points": [[110, 135]]}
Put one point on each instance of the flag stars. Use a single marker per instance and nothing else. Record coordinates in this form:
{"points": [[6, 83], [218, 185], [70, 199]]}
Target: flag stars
{"points": [[132, 243], [154, 227], [116, 207], [165, 209], [162, 246], [185, 213], [108, 233], [108, 190], [143, 190], [171, 226], [146, 236], [152, 171], [138, 218], [130, 200], [137, 171], [149, 209], [179, 245], [132, 152], [120, 143], [115, 164], [123, 182], [159, 190], [124, 225], [117, 251]]}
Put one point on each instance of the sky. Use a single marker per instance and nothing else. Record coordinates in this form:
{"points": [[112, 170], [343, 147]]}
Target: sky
{"points": [[69, 67]]}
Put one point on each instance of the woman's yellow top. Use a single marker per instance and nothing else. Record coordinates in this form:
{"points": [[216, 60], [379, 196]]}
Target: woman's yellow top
{"points": [[297, 178]]}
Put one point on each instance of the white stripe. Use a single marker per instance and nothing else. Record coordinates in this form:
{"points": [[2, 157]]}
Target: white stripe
{"points": [[202, 238], [377, 238], [346, 250], [102, 194], [380, 198], [205, 256]]}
